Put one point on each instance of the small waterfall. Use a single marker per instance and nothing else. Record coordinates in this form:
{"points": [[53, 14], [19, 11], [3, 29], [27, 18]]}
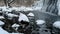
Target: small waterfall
{"points": [[58, 5], [37, 5], [52, 6]]}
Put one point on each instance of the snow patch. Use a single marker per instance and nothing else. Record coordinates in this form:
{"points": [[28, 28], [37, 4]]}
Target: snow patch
{"points": [[40, 21], [56, 24], [30, 14]]}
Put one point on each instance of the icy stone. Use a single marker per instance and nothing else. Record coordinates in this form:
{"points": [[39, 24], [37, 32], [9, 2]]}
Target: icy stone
{"points": [[40, 21], [56, 24], [30, 14], [23, 17]]}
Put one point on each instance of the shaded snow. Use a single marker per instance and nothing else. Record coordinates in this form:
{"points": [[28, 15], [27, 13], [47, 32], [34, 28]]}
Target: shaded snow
{"points": [[40, 21], [3, 31], [56, 24], [1, 23], [23, 17], [30, 14]]}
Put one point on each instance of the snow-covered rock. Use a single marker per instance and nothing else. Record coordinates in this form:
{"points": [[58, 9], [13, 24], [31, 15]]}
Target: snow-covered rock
{"points": [[30, 14], [23, 17], [3, 31], [15, 25], [56, 24], [40, 22], [12, 15], [1, 17], [1, 23]]}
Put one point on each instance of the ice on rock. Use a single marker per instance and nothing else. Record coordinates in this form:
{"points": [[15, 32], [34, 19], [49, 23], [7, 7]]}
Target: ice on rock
{"points": [[40, 21], [56, 24], [30, 14], [23, 17]]}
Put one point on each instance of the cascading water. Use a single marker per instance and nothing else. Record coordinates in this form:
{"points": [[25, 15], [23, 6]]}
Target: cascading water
{"points": [[58, 5], [38, 5], [52, 6]]}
